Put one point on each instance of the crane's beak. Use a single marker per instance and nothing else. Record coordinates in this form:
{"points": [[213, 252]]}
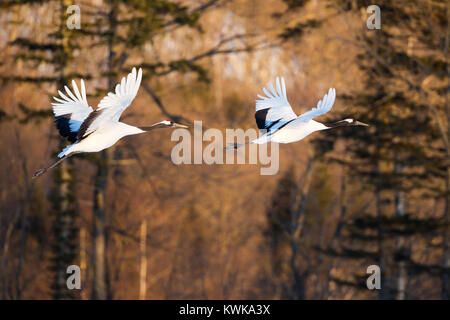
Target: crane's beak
{"points": [[359, 123], [177, 125]]}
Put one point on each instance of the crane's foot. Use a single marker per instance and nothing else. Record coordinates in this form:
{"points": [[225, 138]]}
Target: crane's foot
{"points": [[39, 172]]}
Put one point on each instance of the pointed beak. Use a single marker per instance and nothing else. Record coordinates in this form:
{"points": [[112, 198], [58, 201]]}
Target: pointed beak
{"points": [[177, 125], [359, 123]]}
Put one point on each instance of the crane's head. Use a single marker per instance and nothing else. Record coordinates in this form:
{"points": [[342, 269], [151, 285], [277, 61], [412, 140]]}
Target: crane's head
{"points": [[349, 122], [171, 124], [353, 122], [163, 124]]}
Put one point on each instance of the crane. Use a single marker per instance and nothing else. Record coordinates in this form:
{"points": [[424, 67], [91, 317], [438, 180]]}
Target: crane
{"points": [[95, 130], [274, 115]]}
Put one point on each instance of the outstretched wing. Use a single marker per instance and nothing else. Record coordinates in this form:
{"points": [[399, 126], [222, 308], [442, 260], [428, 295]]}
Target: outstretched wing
{"points": [[71, 110], [273, 110], [323, 106], [112, 105]]}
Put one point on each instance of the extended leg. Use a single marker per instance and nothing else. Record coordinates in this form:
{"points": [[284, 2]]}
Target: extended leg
{"points": [[236, 145], [44, 170]]}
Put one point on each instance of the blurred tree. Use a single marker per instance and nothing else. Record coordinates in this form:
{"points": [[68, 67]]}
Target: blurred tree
{"points": [[187, 274], [121, 33], [56, 54], [126, 28], [393, 157], [404, 98], [296, 217]]}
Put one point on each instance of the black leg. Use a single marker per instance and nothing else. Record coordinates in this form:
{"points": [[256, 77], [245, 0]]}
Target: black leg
{"points": [[44, 170]]}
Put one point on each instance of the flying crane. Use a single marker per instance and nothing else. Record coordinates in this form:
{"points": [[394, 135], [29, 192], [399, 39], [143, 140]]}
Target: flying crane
{"points": [[95, 130], [274, 115]]}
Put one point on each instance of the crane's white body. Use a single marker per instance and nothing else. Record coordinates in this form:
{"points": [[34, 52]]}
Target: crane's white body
{"points": [[292, 132], [102, 138]]}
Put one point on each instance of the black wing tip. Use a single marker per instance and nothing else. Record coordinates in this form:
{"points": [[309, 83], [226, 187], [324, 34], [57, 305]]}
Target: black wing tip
{"points": [[63, 126], [260, 117]]}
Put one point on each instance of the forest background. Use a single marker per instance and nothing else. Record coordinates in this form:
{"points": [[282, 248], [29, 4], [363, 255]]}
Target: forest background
{"points": [[141, 227]]}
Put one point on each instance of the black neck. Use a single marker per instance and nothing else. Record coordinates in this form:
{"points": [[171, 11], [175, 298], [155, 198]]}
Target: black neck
{"points": [[153, 127], [337, 124]]}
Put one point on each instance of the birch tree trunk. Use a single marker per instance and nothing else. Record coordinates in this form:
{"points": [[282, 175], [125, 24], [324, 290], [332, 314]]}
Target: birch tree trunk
{"points": [[400, 243], [83, 262], [64, 203], [446, 235], [445, 244], [383, 293], [102, 285], [298, 290], [99, 277], [143, 258]]}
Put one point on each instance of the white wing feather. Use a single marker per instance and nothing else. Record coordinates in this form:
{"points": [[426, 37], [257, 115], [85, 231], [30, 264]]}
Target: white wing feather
{"points": [[323, 106], [75, 105], [113, 104], [125, 93], [277, 103]]}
